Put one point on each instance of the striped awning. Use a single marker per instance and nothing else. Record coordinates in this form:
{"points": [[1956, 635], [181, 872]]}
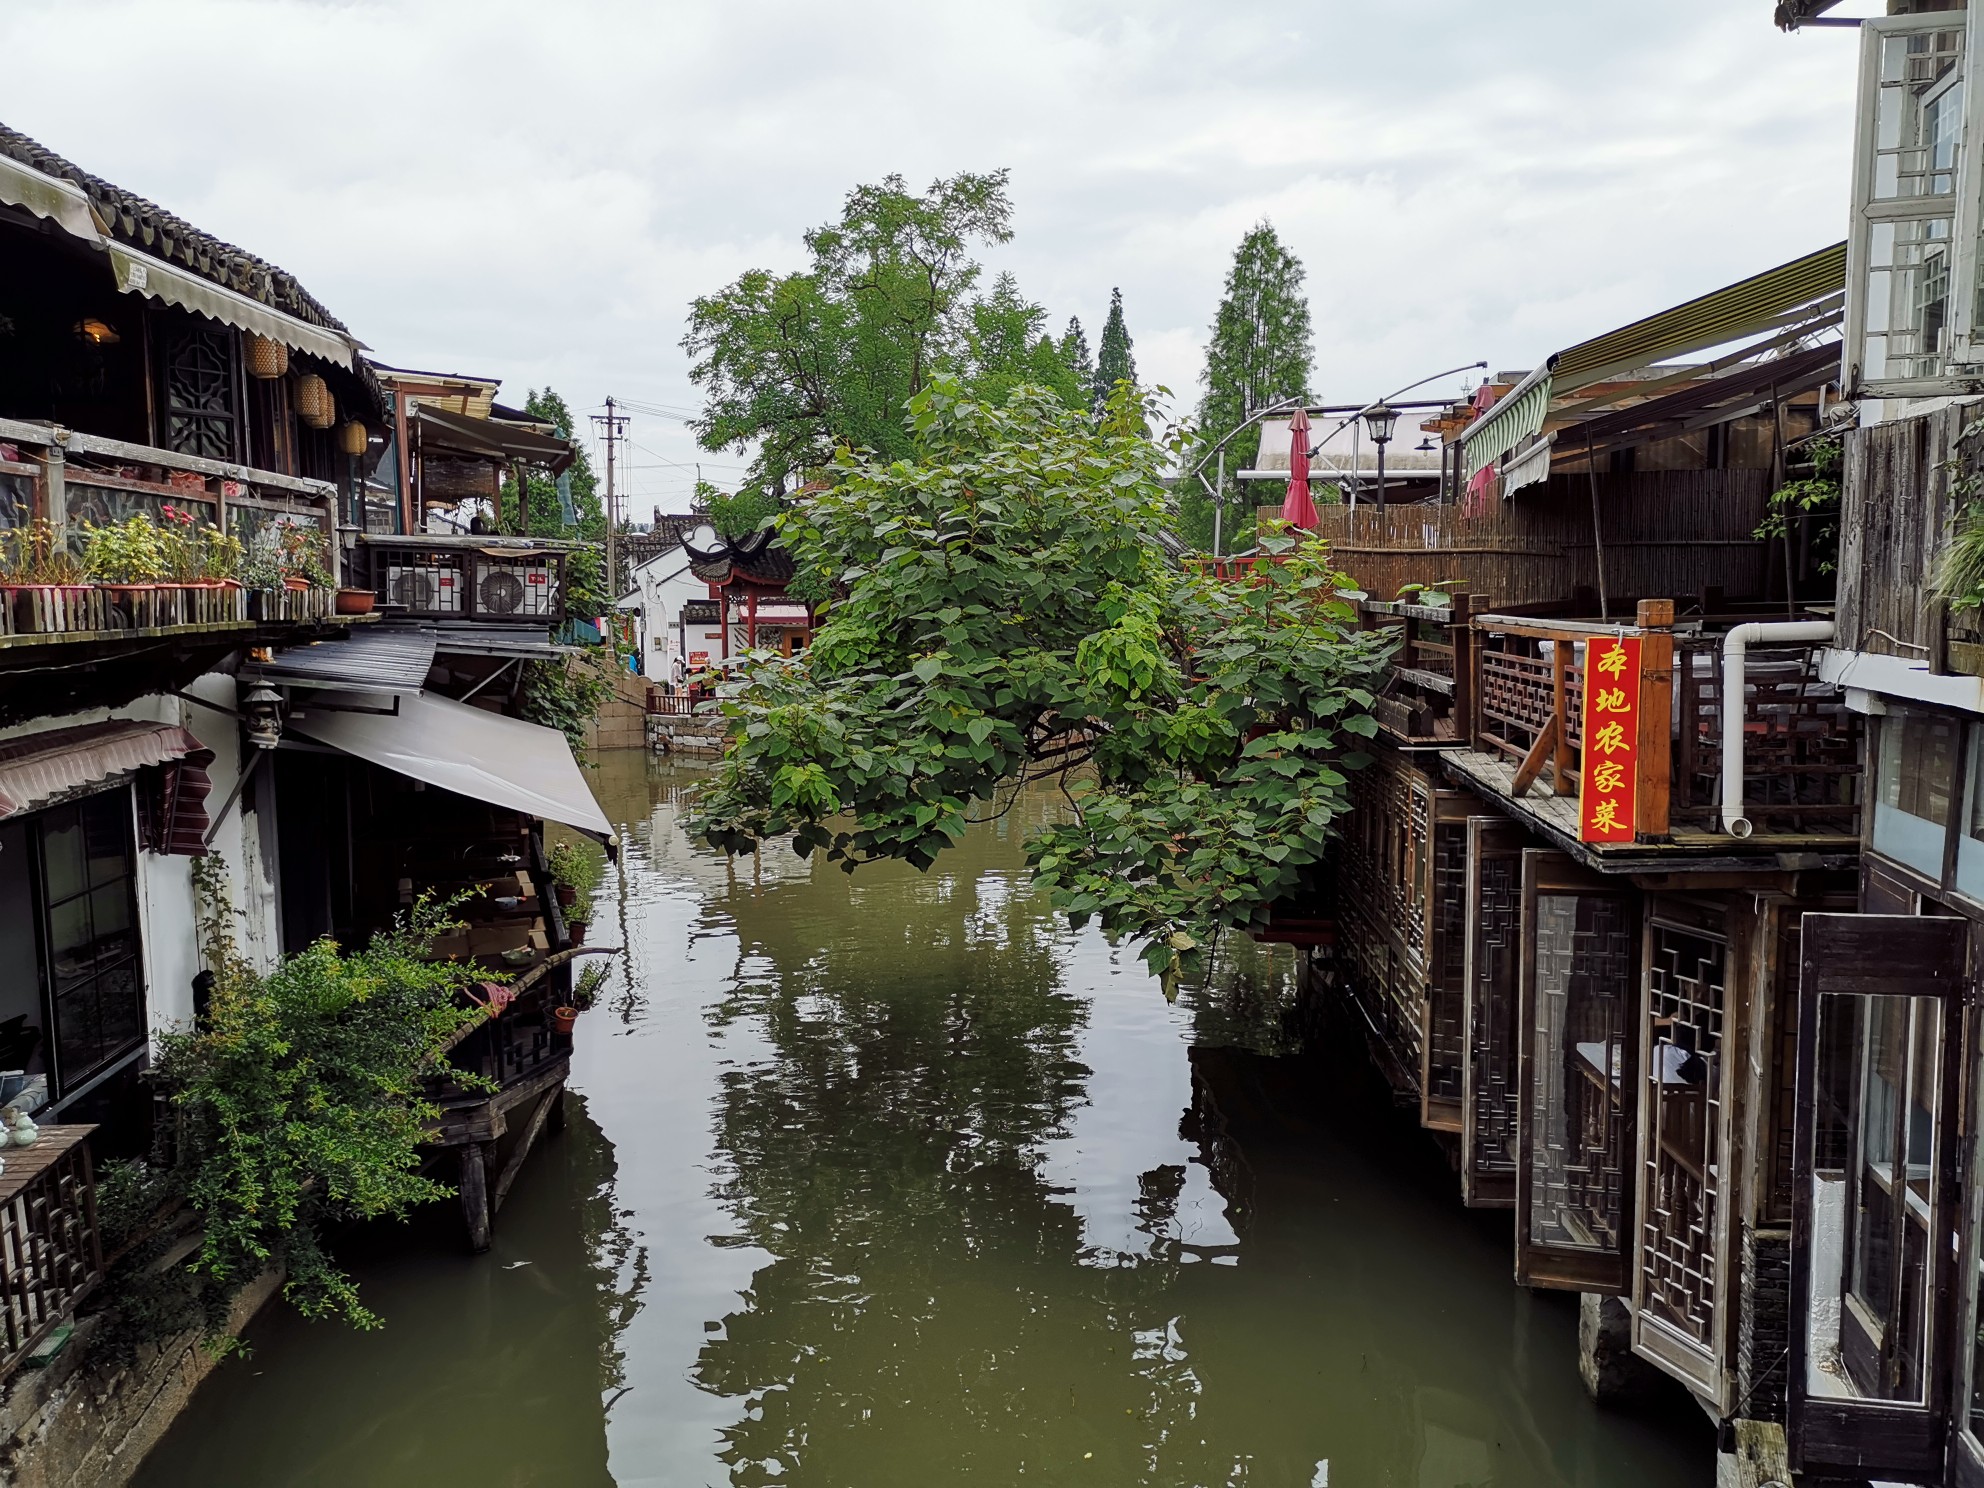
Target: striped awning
{"points": [[62, 202], [1519, 416], [1746, 308], [142, 274], [37, 769], [1799, 291]]}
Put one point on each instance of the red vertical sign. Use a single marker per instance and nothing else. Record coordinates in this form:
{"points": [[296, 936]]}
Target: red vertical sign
{"points": [[1608, 790]]}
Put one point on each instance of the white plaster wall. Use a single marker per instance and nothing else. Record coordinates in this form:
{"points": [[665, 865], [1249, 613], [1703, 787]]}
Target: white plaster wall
{"points": [[665, 585], [164, 883]]}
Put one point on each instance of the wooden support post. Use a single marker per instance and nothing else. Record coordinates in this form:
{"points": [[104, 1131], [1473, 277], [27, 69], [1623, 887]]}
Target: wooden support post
{"points": [[511, 1168], [1560, 688], [1461, 632], [1408, 645], [1532, 763], [475, 1194], [1654, 788]]}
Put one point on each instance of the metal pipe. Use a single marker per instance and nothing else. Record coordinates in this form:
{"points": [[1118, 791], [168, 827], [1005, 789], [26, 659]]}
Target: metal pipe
{"points": [[1735, 647]]}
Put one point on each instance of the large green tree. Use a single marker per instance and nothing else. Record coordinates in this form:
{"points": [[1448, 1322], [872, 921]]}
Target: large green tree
{"points": [[1008, 611], [1115, 358], [1005, 345], [1261, 353], [800, 364]]}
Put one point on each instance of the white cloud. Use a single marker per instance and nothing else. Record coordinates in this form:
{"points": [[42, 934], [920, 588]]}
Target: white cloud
{"points": [[537, 191]]}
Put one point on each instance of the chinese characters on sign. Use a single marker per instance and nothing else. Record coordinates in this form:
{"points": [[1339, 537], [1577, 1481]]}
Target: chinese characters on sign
{"points": [[1607, 797]]}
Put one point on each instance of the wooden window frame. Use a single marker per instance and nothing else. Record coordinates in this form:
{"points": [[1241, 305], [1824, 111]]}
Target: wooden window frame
{"points": [[1484, 1186], [1704, 1366], [1868, 214], [1538, 1264], [1889, 956]]}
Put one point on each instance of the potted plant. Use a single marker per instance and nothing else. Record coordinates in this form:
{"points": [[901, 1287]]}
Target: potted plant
{"points": [[574, 876], [124, 555], [43, 579], [305, 557]]}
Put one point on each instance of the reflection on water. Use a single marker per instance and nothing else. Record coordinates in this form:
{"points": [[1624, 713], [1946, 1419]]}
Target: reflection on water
{"points": [[895, 1180]]}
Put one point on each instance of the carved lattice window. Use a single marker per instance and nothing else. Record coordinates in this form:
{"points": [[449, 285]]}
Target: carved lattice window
{"points": [[197, 387], [1682, 1070]]}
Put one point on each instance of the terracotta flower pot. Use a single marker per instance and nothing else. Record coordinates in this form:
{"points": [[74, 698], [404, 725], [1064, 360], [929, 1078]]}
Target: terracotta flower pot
{"points": [[356, 601], [567, 895], [564, 1020], [575, 931], [301, 586]]}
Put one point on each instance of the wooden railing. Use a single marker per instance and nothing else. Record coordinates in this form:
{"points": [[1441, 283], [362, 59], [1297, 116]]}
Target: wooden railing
{"points": [[1801, 744], [73, 479], [662, 704], [1431, 687], [50, 1253], [1529, 699]]}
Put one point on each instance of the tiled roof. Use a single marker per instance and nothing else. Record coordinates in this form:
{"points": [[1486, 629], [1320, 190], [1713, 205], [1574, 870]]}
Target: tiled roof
{"points": [[148, 227]]}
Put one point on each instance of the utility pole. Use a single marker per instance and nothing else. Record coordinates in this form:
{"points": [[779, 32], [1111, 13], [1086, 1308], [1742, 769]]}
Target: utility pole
{"points": [[614, 426]]}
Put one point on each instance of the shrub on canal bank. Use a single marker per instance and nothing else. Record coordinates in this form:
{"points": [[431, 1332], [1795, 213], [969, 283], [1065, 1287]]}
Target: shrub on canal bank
{"points": [[1009, 611], [295, 1103]]}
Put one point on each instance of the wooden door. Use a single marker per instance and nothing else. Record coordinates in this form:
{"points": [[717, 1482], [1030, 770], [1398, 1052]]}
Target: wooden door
{"points": [[1576, 1077], [1493, 973], [1874, 1197]]}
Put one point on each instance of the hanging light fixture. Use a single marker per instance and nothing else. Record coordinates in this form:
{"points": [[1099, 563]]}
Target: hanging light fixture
{"points": [[264, 357], [261, 716], [96, 332], [314, 404], [352, 438]]}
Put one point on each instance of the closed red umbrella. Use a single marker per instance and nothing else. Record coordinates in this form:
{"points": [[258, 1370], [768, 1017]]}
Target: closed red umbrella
{"points": [[1298, 510]]}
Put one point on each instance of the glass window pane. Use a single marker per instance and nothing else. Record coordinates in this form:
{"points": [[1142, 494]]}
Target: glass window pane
{"points": [[107, 836], [65, 871], [70, 951], [1873, 1200], [1585, 977], [1915, 789], [1918, 114]]}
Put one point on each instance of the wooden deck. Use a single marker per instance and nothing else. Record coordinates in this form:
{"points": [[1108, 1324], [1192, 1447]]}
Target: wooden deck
{"points": [[1556, 817]]}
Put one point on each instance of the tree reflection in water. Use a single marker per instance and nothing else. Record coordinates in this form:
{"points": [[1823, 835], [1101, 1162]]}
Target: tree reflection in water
{"points": [[934, 1309]]}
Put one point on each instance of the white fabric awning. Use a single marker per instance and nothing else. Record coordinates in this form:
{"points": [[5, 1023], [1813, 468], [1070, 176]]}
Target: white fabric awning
{"points": [[140, 273], [470, 751], [62, 202]]}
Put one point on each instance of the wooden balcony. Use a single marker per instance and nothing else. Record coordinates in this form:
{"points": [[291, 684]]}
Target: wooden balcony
{"points": [[73, 479], [1519, 736]]}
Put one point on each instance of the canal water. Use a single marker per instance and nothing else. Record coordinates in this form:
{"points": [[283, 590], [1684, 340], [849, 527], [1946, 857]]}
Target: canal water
{"points": [[893, 1181]]}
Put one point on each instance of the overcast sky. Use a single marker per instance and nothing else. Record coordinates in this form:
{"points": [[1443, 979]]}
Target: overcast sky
{"points": [[535, 191]]}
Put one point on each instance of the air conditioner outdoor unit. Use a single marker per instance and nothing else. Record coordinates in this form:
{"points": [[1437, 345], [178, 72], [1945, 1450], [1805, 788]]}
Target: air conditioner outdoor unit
{"points": [[515, 590], [430, 590]]}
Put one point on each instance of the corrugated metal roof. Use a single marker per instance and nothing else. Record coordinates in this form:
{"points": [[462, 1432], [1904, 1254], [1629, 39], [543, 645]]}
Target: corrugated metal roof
{"points": [[1744, 308], [37, 768], [386, 659]]}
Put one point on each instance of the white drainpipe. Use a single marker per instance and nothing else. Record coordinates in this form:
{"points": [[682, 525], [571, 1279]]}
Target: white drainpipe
{"points": [[1734, 647]]}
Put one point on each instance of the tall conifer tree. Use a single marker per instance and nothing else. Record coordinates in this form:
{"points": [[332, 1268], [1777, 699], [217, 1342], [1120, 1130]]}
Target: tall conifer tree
{"points": [[1075, 352], [1261, 352], [1115, 360]]}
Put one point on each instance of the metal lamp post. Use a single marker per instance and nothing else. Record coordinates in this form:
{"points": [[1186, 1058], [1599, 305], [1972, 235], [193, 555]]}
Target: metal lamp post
{"points": [[1379, 422]]}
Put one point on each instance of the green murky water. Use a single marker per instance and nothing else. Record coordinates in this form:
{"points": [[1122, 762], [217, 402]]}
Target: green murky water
{"points": [[896, 1181]]}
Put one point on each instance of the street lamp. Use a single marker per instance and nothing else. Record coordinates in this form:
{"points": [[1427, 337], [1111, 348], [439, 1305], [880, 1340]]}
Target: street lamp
{"points": [[1379, 420]]}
